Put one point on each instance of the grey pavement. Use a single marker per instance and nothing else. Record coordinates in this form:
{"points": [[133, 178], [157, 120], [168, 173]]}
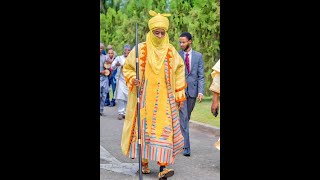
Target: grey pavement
{"points": [[204, 162]]}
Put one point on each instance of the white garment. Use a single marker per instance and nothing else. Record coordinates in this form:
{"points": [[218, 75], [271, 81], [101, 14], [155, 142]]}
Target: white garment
{"points": [[121, 91], [121, 106]]}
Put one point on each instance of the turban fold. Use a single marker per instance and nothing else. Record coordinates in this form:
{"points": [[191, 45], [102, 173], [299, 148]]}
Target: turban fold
{"points": [[158, 21]]}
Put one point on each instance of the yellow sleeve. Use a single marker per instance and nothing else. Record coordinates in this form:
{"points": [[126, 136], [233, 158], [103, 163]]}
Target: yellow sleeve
{"points": [[129, 69], [180, 78], [215, 85]]}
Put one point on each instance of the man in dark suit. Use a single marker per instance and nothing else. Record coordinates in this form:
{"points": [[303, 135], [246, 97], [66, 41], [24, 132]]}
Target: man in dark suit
{"points": [[195, 85]]}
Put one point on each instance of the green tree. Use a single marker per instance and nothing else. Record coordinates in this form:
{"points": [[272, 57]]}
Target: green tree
{"points": [[199, 17], [205, 27]]}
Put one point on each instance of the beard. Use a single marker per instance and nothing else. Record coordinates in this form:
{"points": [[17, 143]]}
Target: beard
{"points": [[187, 47]]}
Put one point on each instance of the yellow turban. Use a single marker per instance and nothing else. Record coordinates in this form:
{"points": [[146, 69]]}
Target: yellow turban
{"points": [[158, 21]]}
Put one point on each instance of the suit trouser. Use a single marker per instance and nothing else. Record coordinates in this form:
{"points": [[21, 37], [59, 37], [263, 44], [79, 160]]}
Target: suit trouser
{"points": [[185, 114]]}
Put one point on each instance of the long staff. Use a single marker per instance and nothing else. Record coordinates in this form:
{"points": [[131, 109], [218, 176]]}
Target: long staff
{"points": [[138, 105]]}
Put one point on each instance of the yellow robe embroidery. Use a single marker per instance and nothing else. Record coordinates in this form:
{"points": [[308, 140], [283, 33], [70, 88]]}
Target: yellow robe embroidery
{"points": [[159, 115]]}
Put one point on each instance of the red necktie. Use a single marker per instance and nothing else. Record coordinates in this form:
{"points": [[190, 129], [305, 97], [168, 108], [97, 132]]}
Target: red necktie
{"points": [[187, 63]]}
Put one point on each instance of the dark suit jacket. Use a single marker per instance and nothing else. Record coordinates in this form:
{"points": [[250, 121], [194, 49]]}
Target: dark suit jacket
{"points": [[195, 79]]}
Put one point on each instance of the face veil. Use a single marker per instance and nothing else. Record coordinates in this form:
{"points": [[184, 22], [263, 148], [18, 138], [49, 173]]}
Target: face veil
{"points": [[157, 47]]}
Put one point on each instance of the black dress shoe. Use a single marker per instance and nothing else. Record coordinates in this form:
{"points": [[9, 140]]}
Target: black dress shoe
{"points": [[186, 152]]}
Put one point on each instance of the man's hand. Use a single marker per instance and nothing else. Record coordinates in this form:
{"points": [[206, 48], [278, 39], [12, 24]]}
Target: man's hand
{"points": [[200, 96], [109, 60], [136, 82], [214, 107], [215, 104], [180, 104]]}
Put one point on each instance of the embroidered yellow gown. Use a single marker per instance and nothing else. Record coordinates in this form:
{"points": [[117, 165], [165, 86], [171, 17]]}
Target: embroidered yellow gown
{"points": [[161, 135]]}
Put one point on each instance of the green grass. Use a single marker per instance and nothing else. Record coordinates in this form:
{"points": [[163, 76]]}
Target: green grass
{"points": [[202, 113]]}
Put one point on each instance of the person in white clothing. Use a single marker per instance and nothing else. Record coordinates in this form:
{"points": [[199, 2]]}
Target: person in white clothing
{"points": [[121, 92]]}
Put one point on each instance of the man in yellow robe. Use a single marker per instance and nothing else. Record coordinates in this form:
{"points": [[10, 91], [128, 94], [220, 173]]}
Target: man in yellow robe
{"points": [[215, 88], [162, 83]]}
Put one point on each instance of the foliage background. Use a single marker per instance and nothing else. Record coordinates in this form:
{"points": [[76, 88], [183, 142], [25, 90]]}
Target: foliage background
{"points": [[199, 17]]}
